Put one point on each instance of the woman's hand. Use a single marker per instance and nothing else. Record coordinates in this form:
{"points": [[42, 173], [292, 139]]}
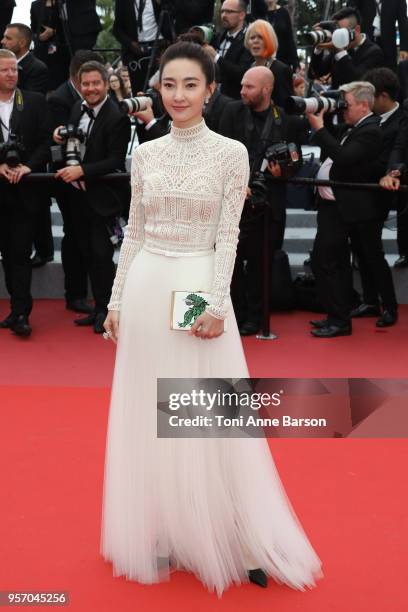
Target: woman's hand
{"points": [[207, 326], [111, 325]]}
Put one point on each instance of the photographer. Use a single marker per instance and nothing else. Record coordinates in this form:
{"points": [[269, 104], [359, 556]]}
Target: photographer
{"points": [[24, 148], [344, 214], [258, 124], [95, 205], [348, 53]]}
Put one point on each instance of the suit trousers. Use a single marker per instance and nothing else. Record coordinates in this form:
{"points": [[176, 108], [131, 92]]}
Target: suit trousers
{"points": [[95, 247], [331, 261], [17, 227]]}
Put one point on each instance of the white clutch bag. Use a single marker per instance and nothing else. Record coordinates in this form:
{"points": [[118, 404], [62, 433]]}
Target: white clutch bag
{"points": [[186, 306]]}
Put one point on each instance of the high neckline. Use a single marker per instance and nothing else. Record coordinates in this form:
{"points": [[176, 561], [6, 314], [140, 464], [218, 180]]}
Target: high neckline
{"points": [[191, 133]]}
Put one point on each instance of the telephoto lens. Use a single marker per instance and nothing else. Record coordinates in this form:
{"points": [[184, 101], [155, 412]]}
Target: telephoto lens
{"points": [[331, 102], [318, 37], [136, 104]]}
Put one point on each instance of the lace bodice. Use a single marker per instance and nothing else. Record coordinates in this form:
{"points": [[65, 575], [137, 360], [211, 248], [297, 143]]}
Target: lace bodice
{"points": [[188, 190]]}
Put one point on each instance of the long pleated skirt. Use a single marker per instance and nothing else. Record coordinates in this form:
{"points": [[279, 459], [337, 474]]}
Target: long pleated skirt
{"points": [[214, 507]]}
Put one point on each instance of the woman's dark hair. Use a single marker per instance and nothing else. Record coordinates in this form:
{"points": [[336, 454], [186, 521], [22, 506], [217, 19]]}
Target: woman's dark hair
{"points": [[190, 51], [117, 74]]}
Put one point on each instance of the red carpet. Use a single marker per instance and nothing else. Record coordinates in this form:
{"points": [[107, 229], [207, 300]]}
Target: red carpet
{"points": [[351, 495]]}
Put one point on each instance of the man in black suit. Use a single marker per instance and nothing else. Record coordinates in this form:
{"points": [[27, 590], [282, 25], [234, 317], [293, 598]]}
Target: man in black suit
{"points": [[344, 214], [350, 63], [60, 103], [95, 204], [378, 21], [230, 54], [32, 72], [391, 116], [257, 123], [23, 114], [81, 23], [6, 14], [135, 27]]}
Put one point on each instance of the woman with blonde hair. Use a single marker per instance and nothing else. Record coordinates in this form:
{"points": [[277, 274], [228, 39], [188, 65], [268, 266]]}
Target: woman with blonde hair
{"points": [[261, 41]]}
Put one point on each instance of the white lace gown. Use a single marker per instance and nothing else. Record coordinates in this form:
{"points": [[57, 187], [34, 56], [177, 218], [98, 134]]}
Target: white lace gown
{"points": [[213, 507]]}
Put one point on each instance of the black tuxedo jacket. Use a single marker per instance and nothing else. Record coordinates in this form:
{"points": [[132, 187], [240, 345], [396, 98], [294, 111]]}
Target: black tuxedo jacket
{"points": [[390, 131], [82, 17], [31, 125], [233, 65], [392, 11], [105, 153], [60, 103], [32, 74], [283, 85], [349, 68], [354, 161]]}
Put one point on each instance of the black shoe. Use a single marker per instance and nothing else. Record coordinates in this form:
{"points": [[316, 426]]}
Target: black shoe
{"points": [[20, 326], [98, 323], [258, 576], [331, 331], [249, 329], [7, 322], [319, 323], [401, 262], [85, 321], [79, 305], [365, 310], [388, 318], [37, 261]]}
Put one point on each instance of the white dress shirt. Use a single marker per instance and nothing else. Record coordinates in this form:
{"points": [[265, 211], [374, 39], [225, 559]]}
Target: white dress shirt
{"points": [[6, 108]]}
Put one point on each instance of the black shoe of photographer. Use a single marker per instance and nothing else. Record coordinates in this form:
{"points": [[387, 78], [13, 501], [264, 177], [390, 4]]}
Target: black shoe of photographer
{"points": [[319, 323], [249, 329], [37, 261], [21, 327], [365, 310], [79, 305], [401, 262], [85, 321], [388, 318], [258, 576], [7, 322], [331, 331], [98, 323]]}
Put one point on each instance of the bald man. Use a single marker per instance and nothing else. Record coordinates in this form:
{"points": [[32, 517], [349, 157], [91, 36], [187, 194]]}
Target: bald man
{"points": [[258, 123]]}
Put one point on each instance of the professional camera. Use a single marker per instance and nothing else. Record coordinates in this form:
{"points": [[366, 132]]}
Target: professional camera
{"points": [[331, 101], [323, 34], [342, 38], [10, 151], [73, 137], [287, 156], [259, 190]]}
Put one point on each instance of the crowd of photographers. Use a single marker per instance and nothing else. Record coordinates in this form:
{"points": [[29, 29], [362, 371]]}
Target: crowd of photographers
{"points": [[349, 103]]}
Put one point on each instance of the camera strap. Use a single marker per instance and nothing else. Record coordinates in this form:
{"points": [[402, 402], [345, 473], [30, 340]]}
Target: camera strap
{"points": [[18, 105], [273, 122]]}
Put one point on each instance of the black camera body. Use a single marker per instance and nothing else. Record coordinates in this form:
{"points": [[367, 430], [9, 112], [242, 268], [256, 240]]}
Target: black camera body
{"points": [[70, 152], [11, 150], [287, 156]]}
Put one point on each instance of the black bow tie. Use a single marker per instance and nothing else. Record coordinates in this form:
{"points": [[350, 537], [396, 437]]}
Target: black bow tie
{"points": [[229, 37], [89, 111]]}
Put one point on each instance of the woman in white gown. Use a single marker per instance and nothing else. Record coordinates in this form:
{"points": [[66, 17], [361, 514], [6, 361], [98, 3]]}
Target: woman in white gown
{"points": [[211, 506]]}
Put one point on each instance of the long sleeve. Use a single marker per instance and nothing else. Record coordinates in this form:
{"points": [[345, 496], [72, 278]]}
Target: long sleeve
{"points": [[235, 187], [134, 233]]}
